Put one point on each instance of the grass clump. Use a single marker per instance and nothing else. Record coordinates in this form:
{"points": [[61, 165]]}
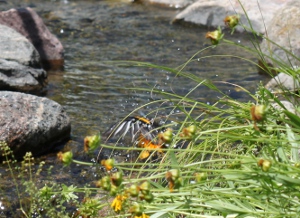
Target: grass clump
{"points": [[226, 159]]}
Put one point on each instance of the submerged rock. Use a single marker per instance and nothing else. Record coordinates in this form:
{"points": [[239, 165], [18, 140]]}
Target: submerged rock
{"points": [[19, 63], [27, 22], [31, 123]]}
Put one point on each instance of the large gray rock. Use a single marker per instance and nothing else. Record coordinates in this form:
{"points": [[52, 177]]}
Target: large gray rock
{"points": [[15, 47], [27, 22], [15, 76], [212, 12], [31, 123], [288, 106], [284, 30], [19, 63], [283, 82]]}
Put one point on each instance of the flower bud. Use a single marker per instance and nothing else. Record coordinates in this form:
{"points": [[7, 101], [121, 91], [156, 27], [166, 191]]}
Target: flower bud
{"points": [[145, 187], [117, 178], [173, 174], [174, 179], [108, 164], [91, 142], [113, 190], [66, 157], [136, 209], [104, 183], [133, 190], [264, 164], [232, 21], [147, 197], [166, 136], [188, 132], [258, 112], [215, 36]]}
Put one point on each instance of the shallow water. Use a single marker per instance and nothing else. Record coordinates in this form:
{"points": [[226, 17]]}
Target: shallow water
{"points": [[94, 90]]}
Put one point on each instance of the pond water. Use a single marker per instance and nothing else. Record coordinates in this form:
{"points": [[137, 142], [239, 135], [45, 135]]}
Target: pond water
{"points": [[96, 92]]}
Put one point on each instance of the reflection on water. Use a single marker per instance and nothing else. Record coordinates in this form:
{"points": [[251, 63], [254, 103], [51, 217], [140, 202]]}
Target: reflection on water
{"points": [[96, 92]]}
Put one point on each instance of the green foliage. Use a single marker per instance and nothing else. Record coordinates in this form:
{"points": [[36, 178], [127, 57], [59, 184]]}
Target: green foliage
{"points": [[231, 158]]}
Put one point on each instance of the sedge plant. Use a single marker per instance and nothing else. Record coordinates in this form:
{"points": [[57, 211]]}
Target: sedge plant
{"points": [[226, 159]]}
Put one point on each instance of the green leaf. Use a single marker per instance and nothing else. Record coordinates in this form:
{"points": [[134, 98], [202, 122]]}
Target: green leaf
{"points": [[294, 118], [164, 211], [293, 141], [68, 192], [282, 155]]}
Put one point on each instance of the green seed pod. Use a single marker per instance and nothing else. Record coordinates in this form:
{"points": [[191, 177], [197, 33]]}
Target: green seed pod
{"points": [[133, 190], [136, 209], [145, 187], [117, 178]]}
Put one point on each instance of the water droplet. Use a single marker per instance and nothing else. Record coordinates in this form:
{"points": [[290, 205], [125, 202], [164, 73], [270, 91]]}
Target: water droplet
{"points": [[1, 206]]}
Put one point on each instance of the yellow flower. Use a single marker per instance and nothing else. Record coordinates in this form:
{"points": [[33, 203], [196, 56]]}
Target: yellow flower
{"points": [[117, 203], [144, 154], [142, 216], [149, 146]]}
